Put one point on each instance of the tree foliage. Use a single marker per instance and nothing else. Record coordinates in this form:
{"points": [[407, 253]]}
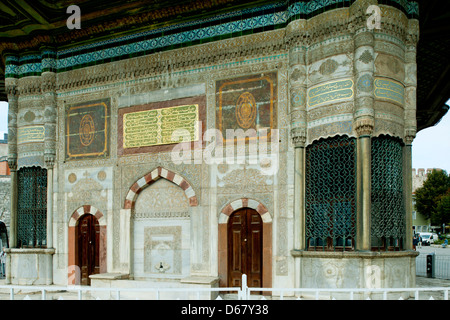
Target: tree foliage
{"points": [[433, 198]]}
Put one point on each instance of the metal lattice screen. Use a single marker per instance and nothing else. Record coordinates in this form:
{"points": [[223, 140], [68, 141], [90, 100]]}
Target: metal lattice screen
{"points": [[330, 184], [388, 221], [32, 207]]}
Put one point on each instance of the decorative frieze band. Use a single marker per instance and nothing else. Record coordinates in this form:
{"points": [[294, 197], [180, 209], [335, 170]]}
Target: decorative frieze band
{"points": [[160, 215]]}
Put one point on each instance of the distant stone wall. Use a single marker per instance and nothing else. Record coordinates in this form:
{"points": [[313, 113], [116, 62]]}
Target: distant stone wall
{"points": [[3, 149], [419, 176]]}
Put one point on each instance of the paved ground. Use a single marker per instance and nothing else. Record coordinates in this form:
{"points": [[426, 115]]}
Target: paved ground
{"points": [[435, 248]]}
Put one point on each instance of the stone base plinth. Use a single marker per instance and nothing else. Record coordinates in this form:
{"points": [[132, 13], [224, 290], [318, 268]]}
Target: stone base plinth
{"points": [[370, 270], [29, 266], [116, 280]]}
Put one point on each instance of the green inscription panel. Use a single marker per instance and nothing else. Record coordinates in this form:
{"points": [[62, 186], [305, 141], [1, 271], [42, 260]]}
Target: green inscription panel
{"points": [[160, 126], [390, 90], [330, 92], [31, 134]]}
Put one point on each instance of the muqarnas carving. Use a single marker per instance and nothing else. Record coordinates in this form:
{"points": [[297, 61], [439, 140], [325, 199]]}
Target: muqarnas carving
{"points": [[248, 102], [87, 130]]}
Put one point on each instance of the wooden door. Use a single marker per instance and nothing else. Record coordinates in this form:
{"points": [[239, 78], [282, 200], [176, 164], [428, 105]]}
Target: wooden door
{"points": [[245, 248], [88, 247]]}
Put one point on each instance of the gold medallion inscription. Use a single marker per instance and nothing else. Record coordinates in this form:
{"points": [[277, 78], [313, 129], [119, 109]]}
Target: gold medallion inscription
{"points": [[87, 130], [246, 110]]}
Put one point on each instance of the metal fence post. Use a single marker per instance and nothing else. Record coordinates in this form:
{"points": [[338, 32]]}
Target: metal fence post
{"points": [[117, 294], [244, 288], [431, 265]]}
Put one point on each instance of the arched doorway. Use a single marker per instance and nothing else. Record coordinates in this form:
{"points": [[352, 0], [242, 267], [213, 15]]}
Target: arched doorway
{"points": [[77, 226], [245, 240], [88, 247], [224, 249]]}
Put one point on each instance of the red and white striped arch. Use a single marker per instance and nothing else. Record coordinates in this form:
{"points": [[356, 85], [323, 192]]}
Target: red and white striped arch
{"points": [[155, 175]]}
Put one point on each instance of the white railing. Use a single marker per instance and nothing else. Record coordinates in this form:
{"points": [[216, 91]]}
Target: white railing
{"points": [[435, 293], [242, 293]]}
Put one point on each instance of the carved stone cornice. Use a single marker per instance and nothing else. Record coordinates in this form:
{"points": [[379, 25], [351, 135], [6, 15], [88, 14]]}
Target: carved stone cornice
{"points": [[164, 63], [11, 88], [48, 82], [29, 85]]}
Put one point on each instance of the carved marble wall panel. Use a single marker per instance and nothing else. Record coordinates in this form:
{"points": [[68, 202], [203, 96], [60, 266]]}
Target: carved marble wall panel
{"points": [[88, 186], [163, 199], [161, 231], [334, 67], [390, 66], [330, 273], [240, 179]]}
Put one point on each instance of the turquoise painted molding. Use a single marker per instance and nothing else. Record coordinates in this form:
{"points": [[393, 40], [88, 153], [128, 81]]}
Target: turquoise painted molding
{"points": [[233, 24]]}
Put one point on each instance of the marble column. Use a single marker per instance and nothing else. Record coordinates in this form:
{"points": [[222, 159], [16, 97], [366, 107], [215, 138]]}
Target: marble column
{"points": [[298, 123], [13, 101], [49, 97], [407, 191], [299, 139], [48, 89], [364, 114], [410, 124], [297, 108]]}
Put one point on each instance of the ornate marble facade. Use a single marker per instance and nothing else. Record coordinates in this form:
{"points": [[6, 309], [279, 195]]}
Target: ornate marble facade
{"points": [[310, 72]]}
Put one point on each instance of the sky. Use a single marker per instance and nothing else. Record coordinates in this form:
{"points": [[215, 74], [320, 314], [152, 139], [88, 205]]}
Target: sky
{"points": [[431, 147]]}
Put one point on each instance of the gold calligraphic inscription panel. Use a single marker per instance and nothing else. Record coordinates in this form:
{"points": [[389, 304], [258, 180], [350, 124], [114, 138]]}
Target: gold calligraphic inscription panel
{"points": [[160, 126], [31, 134], [330, 92]]}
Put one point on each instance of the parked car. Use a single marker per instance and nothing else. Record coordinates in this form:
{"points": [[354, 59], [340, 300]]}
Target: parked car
{"points": [[428, 238]]}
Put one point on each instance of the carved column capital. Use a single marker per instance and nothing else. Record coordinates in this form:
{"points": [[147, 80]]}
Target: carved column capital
{"points": [[298, 136], [364, 127], [410, 134], [12, 163], [49, 160]]}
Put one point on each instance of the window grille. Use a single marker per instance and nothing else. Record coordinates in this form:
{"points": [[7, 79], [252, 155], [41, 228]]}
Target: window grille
{"points": [[388, 223], [32, 207], [330, 184]]}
